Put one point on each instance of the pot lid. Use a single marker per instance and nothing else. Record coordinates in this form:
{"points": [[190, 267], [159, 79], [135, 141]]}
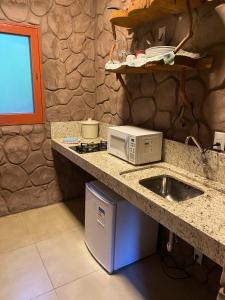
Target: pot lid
{"points": [[89, 121]]}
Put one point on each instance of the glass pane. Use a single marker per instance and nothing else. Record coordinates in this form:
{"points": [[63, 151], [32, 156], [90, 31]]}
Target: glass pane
{"points": [[16, 90]]}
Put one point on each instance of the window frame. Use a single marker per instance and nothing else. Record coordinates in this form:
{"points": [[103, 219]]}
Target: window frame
{"points": [[36, 67]]}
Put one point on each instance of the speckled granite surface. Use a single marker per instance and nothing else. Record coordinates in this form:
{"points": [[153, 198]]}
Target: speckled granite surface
{"points": [[188, 158], [65, 129], [199, 221]]}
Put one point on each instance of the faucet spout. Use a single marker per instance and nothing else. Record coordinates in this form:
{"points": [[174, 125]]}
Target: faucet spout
{"points": [[200, 148], [190, 137]]}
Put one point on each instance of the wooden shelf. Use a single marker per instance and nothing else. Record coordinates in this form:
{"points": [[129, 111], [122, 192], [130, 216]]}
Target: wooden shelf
{"points": [[181, 63], [136, 15]]}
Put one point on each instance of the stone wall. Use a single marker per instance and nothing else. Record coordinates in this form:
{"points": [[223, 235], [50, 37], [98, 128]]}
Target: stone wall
{"points": [[155, 99], [76, 40], [28, 177]]}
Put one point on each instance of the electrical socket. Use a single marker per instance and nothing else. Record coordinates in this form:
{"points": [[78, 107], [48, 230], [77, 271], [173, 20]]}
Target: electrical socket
{"points": [[219, 137], [198, 256], [162, 34]]}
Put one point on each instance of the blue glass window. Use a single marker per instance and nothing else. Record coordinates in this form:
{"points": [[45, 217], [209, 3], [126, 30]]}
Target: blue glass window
{"points": [[16, 89]]}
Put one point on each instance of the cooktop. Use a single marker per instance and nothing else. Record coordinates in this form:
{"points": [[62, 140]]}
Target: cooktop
{"points": [[90, 147]]}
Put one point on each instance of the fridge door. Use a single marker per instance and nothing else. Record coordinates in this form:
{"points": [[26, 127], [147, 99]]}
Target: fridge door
{"points": [[135, 237], [99, 226]]}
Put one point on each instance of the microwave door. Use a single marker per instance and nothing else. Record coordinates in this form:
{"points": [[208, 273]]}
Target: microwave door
{"points": [[119, 145]]}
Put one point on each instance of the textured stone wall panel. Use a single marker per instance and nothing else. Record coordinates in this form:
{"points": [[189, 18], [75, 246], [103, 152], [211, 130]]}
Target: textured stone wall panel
{"points": [[163, 87], [27, 173]]}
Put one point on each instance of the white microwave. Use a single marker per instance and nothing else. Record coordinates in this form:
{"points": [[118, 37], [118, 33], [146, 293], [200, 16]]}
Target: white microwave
{"points": [[135, 145]]}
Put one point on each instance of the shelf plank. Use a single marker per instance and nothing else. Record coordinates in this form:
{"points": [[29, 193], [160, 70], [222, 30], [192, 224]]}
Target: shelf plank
{"points": [[181, 63], [136, 15]]}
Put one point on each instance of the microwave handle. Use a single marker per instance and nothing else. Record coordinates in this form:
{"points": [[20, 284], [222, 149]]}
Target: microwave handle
{"points": [[126, 147]]}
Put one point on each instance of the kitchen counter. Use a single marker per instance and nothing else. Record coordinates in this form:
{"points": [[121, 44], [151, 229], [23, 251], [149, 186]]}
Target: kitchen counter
{"points": [[199, 221]]}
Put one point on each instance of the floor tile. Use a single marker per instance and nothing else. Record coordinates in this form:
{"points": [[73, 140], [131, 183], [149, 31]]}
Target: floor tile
{"points": [[98, 285], [141, 281], [13, 233], [22, 275], [46, 222], [66, 257], [49, 296]]}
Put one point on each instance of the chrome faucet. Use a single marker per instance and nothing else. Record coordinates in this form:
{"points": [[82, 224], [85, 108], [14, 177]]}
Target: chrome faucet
{"points": [[200, 148]]}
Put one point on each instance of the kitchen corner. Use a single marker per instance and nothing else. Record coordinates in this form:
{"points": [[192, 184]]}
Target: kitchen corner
{"points": [[199, 221]]}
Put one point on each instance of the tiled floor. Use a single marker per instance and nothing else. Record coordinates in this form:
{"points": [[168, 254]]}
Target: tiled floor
{"points": [[43, 257]]}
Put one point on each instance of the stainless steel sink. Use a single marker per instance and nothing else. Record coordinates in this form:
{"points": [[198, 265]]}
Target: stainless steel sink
{"points": [[170, 188]]}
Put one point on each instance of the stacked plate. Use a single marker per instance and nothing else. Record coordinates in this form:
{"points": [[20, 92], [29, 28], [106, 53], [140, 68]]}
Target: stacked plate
{"points": [[158, 50]]}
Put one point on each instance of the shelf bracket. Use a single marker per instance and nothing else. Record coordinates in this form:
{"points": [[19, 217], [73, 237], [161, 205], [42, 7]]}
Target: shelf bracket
{"points": [[190, 32], [130, 99], [183, 94], [114, 44], [184, 100]]}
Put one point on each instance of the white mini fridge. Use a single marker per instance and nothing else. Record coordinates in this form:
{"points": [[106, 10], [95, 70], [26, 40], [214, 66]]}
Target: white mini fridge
{"points": [[116, 232]]}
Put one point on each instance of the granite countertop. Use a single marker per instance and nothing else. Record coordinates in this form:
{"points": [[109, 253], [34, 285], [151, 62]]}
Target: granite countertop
{"points": [[200, 221]]}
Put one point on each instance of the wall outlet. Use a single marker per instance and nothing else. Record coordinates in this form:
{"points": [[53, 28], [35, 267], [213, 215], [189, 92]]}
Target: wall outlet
{"points": [[219, 138], [198, 256], [162, 34]]}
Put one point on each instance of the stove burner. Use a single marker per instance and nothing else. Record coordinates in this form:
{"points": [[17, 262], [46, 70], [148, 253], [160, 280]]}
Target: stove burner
{"points": [[90, 147]]}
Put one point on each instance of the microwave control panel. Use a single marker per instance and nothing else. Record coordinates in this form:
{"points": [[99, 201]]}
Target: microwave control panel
{"points": [[132, 147]]}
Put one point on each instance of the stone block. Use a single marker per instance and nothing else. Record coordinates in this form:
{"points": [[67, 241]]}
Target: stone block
{"points": [[10, 130], [47, 150], [87, 68], [26, 199], [54, 194], [165, 95], [148, 86], [49, 98], [54, 75], [76, 42], [102, 94], [142, 110], [90, 99], [104, 44], [89, 49], [73, 62], [73, 80], [75, 9], [88, 84], [40, 7], [214, 112], [36, 139], [63, 96], [64, 2], [58, 113], [50, 47], [12, 177], [15, 10], [42, 175], [77, 108], [34, 161], [216, 77], [3, 207], [162, 120], [60, 21], [16, 149], [81, 23], [100, 77]]}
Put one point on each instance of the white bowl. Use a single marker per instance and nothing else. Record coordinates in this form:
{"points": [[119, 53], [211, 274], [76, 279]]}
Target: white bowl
{"points": [[158, 50]]}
